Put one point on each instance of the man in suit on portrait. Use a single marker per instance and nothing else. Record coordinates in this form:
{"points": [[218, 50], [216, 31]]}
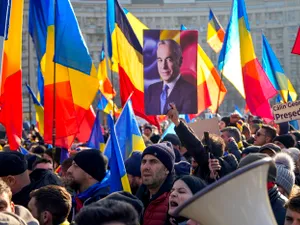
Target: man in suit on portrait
{"points": [[172, 88]]}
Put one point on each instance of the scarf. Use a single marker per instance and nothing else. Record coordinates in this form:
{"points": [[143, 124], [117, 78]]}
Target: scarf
{"points": [[79, 199]]}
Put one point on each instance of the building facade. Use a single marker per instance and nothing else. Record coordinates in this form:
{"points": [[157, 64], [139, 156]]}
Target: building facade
{"points": [[277, 19]]}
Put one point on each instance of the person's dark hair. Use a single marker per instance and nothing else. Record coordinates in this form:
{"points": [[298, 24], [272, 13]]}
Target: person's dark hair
{"points": [[246, 129], [106, 211], [66, 164], [255, 126], [294, 203], [54, 199], [54, 153], [40, 149], [257, 121], [4, 188], [155, 138], [296, 134], [217, 145], [40, 160], [270, 131], [233, 132]]}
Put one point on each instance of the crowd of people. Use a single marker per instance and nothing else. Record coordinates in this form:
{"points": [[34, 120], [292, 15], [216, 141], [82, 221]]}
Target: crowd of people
{"points": [[37, 189]]}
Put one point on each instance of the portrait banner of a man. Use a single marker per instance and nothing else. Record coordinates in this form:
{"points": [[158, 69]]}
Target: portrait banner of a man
{"points": [[170, 71]]}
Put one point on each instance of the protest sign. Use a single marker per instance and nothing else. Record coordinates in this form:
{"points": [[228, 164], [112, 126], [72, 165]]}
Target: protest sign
{"points": [[286, 112], [170, 71], [210, 125]]}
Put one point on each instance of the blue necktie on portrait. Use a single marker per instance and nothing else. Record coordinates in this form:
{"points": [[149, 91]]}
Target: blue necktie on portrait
{"points": [[163, 98]]}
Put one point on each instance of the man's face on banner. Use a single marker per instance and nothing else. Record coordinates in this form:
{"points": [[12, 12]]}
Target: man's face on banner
{"points": [[167, 63]]}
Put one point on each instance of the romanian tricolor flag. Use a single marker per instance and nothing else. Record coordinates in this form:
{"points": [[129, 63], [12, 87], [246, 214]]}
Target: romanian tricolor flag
{"points": [[106, 87], [40, 85], [276, 74], [215, 32], [118, 179], [239, 64], [11, 22], [208, 79], [125, 52], [70, 78], [39, 111], [96, 139], [296, 48], [108, 106]]}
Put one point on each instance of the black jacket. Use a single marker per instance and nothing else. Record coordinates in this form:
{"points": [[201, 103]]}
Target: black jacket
{"points": [[277, 201], [195, 147], [38, 178]]}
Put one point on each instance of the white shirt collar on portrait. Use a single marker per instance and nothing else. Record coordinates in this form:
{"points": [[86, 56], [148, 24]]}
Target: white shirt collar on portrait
{"points": [[171, 85]]}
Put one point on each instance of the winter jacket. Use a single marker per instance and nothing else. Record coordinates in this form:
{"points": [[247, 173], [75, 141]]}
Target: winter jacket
{"points": [[96, 196], [25, 215], [234, 149], [156, 208], [277, 201], [38, 178], [297, 181], [195, 147], [94, 193]]}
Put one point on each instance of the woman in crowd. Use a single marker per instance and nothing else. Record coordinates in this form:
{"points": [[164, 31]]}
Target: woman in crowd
{"points": [[183, 189]]}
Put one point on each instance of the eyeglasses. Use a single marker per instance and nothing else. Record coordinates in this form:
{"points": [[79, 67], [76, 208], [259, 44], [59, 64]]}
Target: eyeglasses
{"points": [[259, 134]]}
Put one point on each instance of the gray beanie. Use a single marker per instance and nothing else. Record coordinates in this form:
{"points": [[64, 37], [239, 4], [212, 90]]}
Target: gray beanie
{"points": [[285, 171]]}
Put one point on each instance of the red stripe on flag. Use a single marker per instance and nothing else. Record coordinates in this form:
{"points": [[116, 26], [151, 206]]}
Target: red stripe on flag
{"points": [[221, 35], [126, 88], [204, 100], [257, 99], [86, 126], [11, 108], [65, 115], [296, 48]]}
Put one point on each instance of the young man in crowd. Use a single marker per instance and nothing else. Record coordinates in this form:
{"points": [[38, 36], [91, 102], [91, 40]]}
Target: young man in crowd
{"points": [[157, 175], [133, 165], [7, 205], [50, 205], [264, 135], [89, 178]]}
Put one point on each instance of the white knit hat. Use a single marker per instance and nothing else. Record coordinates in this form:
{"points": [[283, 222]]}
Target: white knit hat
{"points": [[285, 171]]}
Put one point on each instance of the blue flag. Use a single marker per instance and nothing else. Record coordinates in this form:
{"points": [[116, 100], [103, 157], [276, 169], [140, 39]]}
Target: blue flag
{"points": [[96, 139], [118, 179]]}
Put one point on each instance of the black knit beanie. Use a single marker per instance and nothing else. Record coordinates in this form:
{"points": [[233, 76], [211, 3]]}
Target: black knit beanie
{"points": [[194, 183], [129, 198], [286, 139], [93, 162], [12, 163], [164, 152]]}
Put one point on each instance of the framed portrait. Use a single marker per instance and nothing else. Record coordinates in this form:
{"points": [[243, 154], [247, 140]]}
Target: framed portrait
{"points": [[170, 71]]}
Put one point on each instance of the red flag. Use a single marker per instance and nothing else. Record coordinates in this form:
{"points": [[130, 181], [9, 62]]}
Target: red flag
{"points": [[296, 48], [11, 82]]}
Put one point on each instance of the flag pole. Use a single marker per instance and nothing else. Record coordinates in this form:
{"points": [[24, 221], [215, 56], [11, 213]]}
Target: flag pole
{"points": [[113, 97], [54, 85], [28, 80]]}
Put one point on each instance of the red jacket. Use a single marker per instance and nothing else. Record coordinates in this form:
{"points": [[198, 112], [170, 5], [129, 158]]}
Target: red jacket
{"points": [[157, 211], [156, 208]]}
